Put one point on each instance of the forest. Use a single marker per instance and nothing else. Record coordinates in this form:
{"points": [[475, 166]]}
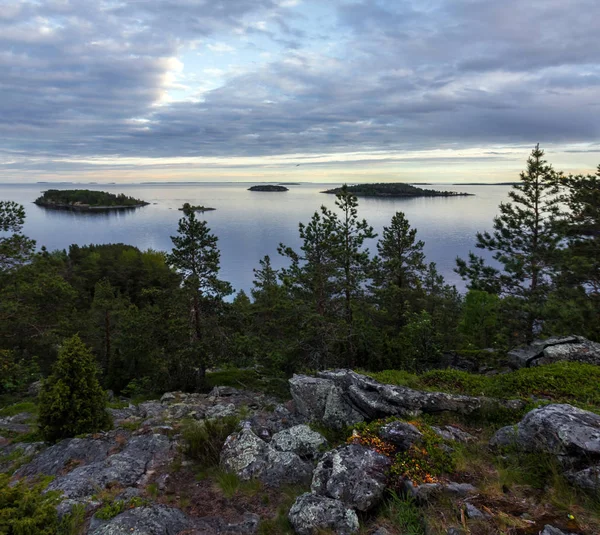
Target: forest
{"points": [[87, 198], [155, 321]]}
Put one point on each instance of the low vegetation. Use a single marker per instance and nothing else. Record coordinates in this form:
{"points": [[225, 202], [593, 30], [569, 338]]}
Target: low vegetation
{"points": [[203, 440]]}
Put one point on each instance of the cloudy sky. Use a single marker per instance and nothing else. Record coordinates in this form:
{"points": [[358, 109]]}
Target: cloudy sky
{"points": [[408, 90]]}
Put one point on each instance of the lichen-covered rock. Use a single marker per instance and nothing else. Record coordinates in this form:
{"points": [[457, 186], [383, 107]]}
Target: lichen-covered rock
{"points": [[587, 479], [220, 410], [354, 474], [301, 440], [570, 433], [250, 457], [126, 468], [311, 514], [551, 530], [153, 520], [401, 434], [453, 434], [321, 400], [428, 492], [151, 409], [551, 350]]}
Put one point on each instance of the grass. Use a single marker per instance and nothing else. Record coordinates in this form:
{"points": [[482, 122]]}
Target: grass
{"points": [[250, 379], [569, 382], [279, 524], [231, 484], [404, 515], [18, 408], [204, 440]]}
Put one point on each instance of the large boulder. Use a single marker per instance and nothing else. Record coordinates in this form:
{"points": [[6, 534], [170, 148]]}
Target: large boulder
{"points": [[572, 434], [250, 457], [339, 398], [551, 350], [320, 400], [354, 474], [586, 479], [301, 440], [311, 514]]}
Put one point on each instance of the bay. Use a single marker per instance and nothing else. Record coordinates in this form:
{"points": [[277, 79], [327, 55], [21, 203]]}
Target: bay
{"points": [[250, 225]]}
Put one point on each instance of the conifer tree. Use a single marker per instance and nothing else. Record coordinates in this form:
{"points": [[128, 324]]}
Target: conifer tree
{"points": [[525, 241], [15, 249], [71, 401]]}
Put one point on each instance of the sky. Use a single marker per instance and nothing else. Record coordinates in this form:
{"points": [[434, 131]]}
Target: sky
{"points": [[296, 90]]}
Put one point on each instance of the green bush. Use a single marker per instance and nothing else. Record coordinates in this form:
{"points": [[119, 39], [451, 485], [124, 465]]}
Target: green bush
{"points": [[27, 511], [16, 373], [204, 440], [71, 401]]}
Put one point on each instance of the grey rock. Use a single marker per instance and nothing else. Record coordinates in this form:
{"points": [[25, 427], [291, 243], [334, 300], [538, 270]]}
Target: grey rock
{"points": [[220, 411], [428, 492], [455, 531], [223, 391], [34, 389], [301, 440], [568, 348], [354, 474], [71, 452], [250, 457], [401, 434], [126, 468], [587, 479], [168, 397], [551, 530], [311, 514], [343, 397], [570, 433], [381, 531], [321, 400], [151, 409], [153, 520], [218, 526], [18, 452], [453, 434], [473, 513], [17, 423]]}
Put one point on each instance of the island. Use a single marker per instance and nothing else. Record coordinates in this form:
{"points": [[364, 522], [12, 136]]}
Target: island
{"points": [[87, 200], [395, 189], [289, 183], [268, 188], [187, 207]]}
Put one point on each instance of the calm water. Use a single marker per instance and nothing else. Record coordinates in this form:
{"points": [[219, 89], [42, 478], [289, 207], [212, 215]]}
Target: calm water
{"points": [[251, 224]]}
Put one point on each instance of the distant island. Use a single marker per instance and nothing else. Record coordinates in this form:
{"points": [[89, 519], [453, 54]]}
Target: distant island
{"points": [[86, 200], [289, 183], [187, 207], [268, 188], [487, 184], [396, 189]]}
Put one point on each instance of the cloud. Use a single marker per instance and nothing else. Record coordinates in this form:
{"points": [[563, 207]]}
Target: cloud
{"points": [[85, 79]]}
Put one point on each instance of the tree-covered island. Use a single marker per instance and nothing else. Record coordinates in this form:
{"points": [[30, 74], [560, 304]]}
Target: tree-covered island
{"points": [[268, 188], [187, 207], [394, 190], [85, 199]]}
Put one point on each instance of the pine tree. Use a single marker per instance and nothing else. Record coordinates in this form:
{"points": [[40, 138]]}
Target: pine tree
{"points": [[525, 242], [71, 401], [196, 256], [16, 249]]}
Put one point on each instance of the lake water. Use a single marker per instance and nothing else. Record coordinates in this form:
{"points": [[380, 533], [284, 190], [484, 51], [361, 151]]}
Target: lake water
{"points": [[250, 225]]}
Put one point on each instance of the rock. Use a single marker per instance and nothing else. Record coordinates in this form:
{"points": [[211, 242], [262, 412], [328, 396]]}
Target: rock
{"points": [[320, 400], [473, 513], [17, 423], [354, 474], [250, 457], [572, 434], [310, 514], [152, 520], [453, 434], [151, 409], [223, 391], [401, 434], [167, 397], [218, 526], [455, 531], [340, 398], [551, 530], [71, 453], [587, 479], [428, 492], [381, 531], [126, 468], [34, 389], [13, 455], [301, 440], [220, 411], [568, 348]]}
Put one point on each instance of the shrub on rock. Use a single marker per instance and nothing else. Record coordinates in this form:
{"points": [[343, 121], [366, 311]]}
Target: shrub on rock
{"points": [[72, 401]]}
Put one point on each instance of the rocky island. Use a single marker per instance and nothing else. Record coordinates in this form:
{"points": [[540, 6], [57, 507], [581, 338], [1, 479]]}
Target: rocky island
{"points": [[395, 189], [86, 200], [187, 207], [268, 188]]}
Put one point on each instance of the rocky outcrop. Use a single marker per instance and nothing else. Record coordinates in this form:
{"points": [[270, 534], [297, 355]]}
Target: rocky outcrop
{"points": [[153, 520], [401, 434], [453, 434], [311, 514], [353, 474], [340, 398], [551, 350], [250, 457]]}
